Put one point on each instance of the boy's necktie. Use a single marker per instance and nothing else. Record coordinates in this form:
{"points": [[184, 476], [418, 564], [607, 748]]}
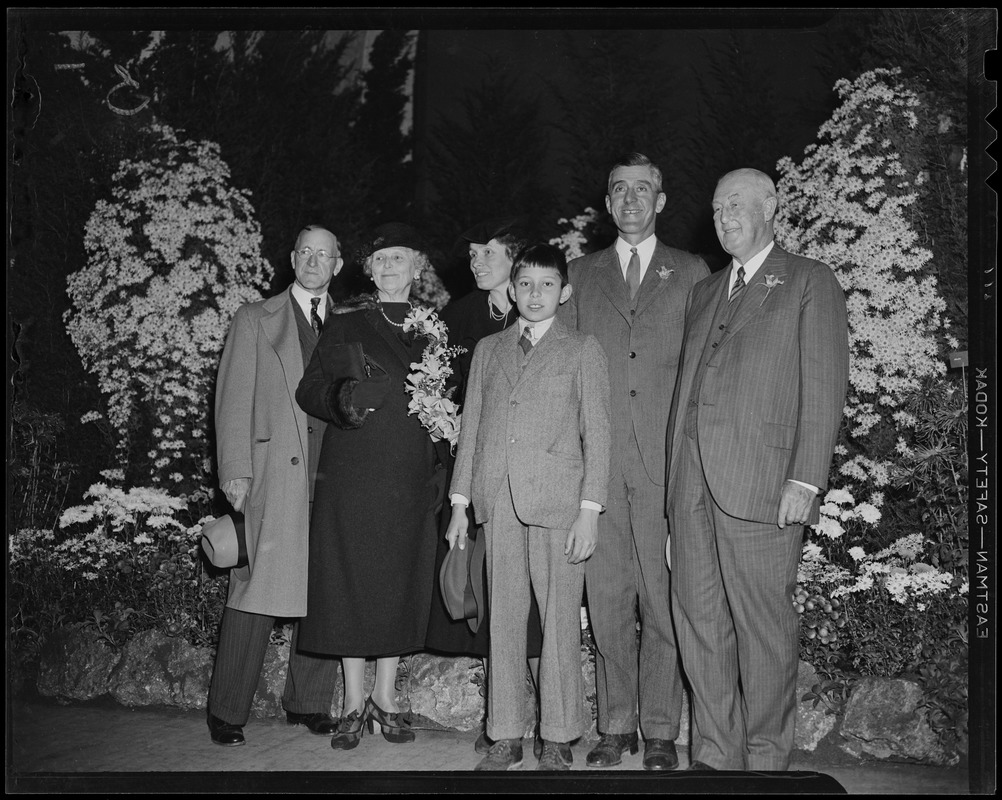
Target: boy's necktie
{"points": [[315, 321], [526, 341]]}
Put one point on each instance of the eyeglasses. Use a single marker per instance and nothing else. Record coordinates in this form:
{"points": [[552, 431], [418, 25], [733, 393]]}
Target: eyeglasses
{"points": [[307, 252]]}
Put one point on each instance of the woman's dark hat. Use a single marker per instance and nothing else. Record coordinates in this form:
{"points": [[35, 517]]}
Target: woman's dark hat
{"points": [[392, 234], [483, 232]]}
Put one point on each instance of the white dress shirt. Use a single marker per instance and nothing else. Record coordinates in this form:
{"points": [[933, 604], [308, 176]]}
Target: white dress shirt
{"points": [[645, 250], [305, 298]]}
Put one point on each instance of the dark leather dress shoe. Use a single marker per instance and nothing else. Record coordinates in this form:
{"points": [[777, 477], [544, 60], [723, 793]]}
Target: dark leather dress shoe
{"points": [[318, 722], [660, 754], [610, 748], [225, 733], [699, 766]]}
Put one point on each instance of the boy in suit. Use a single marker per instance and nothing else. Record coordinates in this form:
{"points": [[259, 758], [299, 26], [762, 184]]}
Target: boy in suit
{"points": [[534, 459]]}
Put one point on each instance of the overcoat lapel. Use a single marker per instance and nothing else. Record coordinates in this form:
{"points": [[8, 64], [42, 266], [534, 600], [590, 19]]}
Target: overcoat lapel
{"points": [[279, 326], [389, 336]]}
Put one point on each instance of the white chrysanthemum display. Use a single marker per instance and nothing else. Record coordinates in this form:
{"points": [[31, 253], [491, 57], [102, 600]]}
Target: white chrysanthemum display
{"points": [[847, 204], [170, 257]]}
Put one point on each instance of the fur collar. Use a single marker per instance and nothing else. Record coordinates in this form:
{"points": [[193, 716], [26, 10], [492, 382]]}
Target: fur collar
{"points": [[364, 302]]}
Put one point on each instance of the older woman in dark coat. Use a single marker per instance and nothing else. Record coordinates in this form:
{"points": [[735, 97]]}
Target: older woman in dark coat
{"points": [[379, 484]]}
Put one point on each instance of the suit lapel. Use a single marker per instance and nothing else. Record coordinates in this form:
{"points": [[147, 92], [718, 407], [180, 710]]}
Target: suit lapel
{"points": [[654, 284], [507, 353], [773, 270], [544, 353], [611, 281]]}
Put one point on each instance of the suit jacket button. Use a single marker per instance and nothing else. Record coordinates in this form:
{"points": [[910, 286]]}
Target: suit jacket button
{"points": [[633, 355], [512, 440], [714, 344], [514, 402], [633, 312], [295, 460], [309, 429], [633, 392], [721, 327]]}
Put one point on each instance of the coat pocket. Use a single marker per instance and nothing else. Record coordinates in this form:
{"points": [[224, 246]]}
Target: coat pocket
{"points": [[778, 435]]}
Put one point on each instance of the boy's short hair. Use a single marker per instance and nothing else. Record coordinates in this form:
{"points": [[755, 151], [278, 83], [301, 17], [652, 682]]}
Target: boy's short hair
{"points": [[543, 256]]}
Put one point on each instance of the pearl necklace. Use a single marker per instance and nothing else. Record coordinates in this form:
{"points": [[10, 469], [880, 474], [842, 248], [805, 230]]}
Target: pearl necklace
{"points": [[490, 309], [394, 324]]}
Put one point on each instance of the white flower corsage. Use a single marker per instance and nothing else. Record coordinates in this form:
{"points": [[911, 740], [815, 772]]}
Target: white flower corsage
{"points": [[664, 273], [430, 400], [771, 282]]}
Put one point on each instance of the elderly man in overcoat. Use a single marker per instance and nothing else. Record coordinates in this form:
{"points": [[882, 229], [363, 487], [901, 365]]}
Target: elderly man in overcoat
{"points": [[754, 419], [631, 297], [268, 449]]}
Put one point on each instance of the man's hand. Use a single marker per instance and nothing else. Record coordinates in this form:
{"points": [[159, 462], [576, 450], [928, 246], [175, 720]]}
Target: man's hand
{"points": [[458, 526], [236, 492], [795, 504], [582, 537]]}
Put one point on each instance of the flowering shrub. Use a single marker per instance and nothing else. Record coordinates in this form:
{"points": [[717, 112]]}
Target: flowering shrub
{"points": [[890, 566], [126, 561], [574, 239], [847, 204], [170, 257]]}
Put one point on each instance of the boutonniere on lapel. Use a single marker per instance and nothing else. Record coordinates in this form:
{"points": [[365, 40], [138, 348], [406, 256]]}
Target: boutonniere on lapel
{"points": [[664, 273], [770, 283]]}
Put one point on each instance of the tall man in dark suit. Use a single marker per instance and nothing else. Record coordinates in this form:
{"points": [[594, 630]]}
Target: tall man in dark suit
{"points": [[754, 419], [631, 297], [268, 450]]}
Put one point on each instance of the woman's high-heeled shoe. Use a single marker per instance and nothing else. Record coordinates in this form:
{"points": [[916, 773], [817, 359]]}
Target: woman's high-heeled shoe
{"points": [[349, 731], [395, 727]]}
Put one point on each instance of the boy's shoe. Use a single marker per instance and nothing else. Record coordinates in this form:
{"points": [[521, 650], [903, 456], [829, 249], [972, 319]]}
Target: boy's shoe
{"points": [[556, 756], [504, 754]]}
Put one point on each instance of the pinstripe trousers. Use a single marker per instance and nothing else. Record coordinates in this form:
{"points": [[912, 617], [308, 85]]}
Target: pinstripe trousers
{"points": [[523, 559], [737, 630], [243, 642]]}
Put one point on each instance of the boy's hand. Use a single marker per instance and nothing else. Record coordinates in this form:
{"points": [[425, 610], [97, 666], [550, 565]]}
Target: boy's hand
{"points": [[458, 525], [582, 537]]}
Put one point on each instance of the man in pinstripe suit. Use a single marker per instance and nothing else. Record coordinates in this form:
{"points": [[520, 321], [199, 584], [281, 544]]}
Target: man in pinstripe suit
{"points": [[753, 425]]}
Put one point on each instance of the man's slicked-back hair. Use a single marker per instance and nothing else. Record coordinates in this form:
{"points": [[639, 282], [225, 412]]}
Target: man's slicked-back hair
{"points": [[637, 160], [309, 228]]}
